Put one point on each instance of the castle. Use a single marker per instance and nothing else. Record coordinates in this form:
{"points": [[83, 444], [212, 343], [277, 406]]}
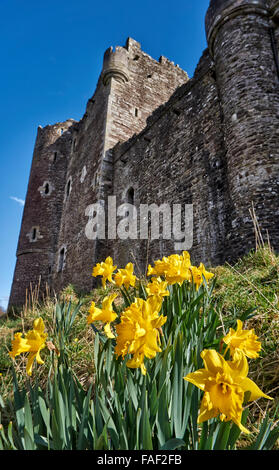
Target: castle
{"points": [[152, 135]]}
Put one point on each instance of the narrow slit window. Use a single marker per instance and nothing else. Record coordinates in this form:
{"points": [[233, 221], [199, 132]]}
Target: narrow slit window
{"points": [[34, 233], [61, 259], [68, 189], [131, 196], [54, 157], [136, 112], [47, 188]]}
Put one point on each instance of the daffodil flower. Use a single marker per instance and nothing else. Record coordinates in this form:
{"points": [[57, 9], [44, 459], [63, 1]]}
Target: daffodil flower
{"points": [[174, 268], [157, 287], [125, 276], [104, 269], [105, 314], [138, 333], [224, 384], [33, 343], [242, 340], [199, 273]]}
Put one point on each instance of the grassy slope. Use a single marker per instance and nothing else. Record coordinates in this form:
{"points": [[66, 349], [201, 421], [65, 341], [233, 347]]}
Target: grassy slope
{"points": [[252, 283]]}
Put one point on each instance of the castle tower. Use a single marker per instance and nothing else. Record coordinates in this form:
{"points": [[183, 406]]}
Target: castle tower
{"points": [[240, 35], [130, 87], [42, 212]]}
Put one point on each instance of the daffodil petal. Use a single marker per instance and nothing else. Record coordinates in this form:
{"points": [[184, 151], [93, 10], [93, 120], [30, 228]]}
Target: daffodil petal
{"points": [[29, 365], [199, 378], [249, 386], [108, 331], [213, 361]]}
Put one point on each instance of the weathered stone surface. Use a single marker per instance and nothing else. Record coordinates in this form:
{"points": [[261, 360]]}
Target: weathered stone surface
{"points": [[151, 135]]}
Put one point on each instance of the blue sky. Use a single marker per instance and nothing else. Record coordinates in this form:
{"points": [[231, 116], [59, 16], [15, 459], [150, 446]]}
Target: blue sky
{"points": [[51, 58]]}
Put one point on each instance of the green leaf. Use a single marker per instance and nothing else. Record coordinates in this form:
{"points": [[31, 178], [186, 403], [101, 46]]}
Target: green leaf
{"points": [[45, 412], [163, 419], [2, 404], [146, 433], [173, 444], [222, 436], [263, 435], [83, 432], [29, 440], [28, 425], [10, 435]]}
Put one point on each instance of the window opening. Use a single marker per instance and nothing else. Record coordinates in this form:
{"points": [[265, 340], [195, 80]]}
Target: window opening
{"points": [[61, 259], [68, 188], [47, 188], [130, 196]]}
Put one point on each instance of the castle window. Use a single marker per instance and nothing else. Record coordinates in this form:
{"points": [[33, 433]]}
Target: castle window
{"points": [[61, 259], [136, 112], [176, 111], [46, 188], [54, 157], [34, 234], [130, 196], [68, 188]]}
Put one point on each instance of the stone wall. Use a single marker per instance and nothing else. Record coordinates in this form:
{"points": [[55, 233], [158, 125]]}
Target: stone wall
{"points": [[179, 158]]}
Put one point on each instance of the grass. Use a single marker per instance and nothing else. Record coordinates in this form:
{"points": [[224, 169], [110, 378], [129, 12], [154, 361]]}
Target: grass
{"points": [[252, 284], [249, 289]]}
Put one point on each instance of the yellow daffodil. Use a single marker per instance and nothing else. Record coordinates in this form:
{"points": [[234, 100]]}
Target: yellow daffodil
{"points": [[125, 276], [244, 340], [157, 287], [33, 343], [105, 314], [138, 334], [174, 268], [224, 384], [104, 269], [198, 274]]}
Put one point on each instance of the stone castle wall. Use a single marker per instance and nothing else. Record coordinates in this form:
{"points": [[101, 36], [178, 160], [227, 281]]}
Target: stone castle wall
{"points": [[151, 135]]}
